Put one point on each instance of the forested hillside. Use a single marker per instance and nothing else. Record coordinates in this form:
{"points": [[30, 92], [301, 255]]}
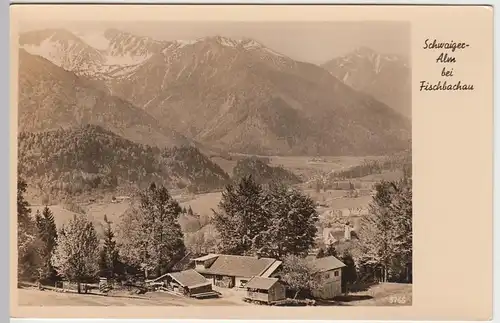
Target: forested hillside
{"points": [[77, 160], [263, 173]]}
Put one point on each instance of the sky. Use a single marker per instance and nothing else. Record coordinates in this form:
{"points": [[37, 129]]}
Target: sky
{"points": [[314, 42]]}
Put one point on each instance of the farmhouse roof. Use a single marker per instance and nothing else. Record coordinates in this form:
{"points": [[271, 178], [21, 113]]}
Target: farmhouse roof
{"points": [[261, 283], [189, 278], [206, 257], [240, 266], [327, 263]]}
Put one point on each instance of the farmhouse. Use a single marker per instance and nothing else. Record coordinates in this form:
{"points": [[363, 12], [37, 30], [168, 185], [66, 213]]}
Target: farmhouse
{"points": [[230, 271], [330, 268], [187, 282], [266, 290]]}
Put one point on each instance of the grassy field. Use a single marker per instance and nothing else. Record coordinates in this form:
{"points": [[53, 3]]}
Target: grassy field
{"points": [[386, 294], [34, 297], [202, 204], [94, 211]]}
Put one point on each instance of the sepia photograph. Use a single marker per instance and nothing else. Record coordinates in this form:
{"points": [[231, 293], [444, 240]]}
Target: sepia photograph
{"points": [[214, 163]]}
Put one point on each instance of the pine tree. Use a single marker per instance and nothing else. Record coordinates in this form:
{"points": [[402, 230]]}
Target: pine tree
{"points": [[108, 262], [76, 255], [27, 260], [47, 237], [331, 251], [349, 273], [321, 253], [150, 234], [241, 218]]}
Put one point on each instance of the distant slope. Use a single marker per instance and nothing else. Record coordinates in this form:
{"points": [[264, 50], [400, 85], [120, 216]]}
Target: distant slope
{"points": [[263, 173], [51, 98], [89, 158], [386, 77]]}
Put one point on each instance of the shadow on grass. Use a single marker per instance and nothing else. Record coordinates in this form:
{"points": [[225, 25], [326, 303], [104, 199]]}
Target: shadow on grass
{"points": [[330, 303], [352, 298], [361, 287]]}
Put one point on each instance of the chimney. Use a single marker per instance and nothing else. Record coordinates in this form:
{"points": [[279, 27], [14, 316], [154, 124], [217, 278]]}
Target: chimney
{"points": [[347, 232]]}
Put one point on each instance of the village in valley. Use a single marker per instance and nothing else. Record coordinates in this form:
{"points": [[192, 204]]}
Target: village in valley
{"points": [[132, 196]]}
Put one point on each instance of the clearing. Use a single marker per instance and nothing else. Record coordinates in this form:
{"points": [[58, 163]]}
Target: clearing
{"points": [[384, 294], [35, 297]]}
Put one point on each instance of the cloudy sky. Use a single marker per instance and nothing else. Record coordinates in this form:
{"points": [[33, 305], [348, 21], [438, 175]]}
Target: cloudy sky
{"points": [[315, 42]]}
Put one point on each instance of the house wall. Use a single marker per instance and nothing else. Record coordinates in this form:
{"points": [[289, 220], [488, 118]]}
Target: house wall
{"points": [[332, 285], [257, 296], [224, 281], [277, 292], [200, 289], [240, 281]]}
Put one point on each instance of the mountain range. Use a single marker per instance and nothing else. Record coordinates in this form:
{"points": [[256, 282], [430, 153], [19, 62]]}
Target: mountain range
{"points": [[234, 95], [51, 97], [386, 77]]}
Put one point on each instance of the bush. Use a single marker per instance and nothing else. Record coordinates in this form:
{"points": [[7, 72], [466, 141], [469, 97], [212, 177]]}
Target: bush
{"points": [[295, 302]]}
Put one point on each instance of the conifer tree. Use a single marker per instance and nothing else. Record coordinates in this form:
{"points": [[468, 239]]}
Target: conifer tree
{"points": [[76, 255], [27, 259], [47, 237], [349, 273], [321, 253], [108, 262], [241, 217]]}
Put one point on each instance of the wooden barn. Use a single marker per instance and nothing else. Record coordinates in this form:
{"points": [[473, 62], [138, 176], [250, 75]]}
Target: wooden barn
{"points": [[330, 269], [267, 290], [188, 283], [229, 271]]}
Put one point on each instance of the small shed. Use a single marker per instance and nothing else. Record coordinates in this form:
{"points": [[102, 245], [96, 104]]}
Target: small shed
{"points": [[266, 290], [188, 282]]}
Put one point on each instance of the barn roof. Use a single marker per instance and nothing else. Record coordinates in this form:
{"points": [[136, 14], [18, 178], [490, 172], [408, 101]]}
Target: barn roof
{"points": [[261, 283], [327, 263], [271, 269], [240, 266], [189, 278]]}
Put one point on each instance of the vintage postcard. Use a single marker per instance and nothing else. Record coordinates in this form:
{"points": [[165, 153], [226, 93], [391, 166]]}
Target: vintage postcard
{"points": [[273, 162]]}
